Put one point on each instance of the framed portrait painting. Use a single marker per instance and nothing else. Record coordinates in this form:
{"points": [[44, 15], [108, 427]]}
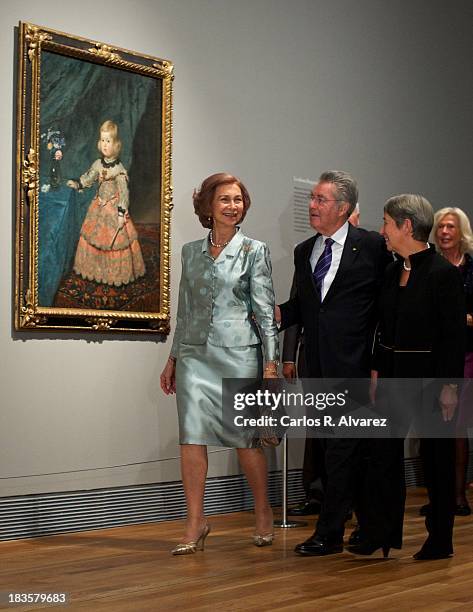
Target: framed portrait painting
{"points": [[94, 192]]}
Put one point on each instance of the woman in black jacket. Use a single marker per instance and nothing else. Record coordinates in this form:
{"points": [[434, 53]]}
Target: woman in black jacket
{"points": [[421, 335]]}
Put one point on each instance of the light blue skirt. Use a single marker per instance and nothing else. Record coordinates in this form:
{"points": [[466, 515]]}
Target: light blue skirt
{"points": [[199, 372]]}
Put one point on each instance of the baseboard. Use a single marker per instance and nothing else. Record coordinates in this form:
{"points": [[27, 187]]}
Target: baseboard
{"points": [[32, 516]]}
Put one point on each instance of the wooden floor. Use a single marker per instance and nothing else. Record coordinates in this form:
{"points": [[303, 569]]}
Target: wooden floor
{"points": [[130, 568]]}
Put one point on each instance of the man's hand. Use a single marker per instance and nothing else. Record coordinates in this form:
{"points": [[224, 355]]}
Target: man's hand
{"points": [[277, 314], [289, 370]]}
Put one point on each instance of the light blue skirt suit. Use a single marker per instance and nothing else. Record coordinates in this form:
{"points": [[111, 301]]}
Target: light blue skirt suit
{"points": [[216, 334]]}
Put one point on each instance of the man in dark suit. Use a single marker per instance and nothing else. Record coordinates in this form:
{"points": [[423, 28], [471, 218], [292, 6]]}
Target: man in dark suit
{"points": [[337, 275], [313, 468]]}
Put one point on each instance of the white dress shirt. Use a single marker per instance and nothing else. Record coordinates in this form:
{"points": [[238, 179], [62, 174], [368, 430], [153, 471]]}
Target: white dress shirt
{"points": [[338, 238]]}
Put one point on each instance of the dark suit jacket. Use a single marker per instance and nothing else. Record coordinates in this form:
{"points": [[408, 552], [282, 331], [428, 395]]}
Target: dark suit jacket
{"points": [[339, 331]]}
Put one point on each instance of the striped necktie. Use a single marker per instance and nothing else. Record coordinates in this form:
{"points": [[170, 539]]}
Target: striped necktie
{"points": [[323, 264]]}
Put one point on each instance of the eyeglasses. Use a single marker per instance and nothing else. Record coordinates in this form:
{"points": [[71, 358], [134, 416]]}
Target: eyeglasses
{"points": [[321, 201]]}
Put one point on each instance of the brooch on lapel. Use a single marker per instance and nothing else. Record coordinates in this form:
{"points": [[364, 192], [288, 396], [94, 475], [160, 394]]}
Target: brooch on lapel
{"points": [[246, 247]]}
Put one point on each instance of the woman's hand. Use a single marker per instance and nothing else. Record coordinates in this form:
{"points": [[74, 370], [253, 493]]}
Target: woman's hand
{"points": [[73, 184], [269, 442], [448, 401], [373, 386], [271, 369], [168, 377]]}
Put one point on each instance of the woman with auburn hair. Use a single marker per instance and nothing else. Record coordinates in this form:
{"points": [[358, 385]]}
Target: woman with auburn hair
{"points": [[453, 236], [225, 318]]}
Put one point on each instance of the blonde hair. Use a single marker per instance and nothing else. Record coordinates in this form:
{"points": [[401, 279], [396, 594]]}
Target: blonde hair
{"points": [[466, 240], [112, 128]]}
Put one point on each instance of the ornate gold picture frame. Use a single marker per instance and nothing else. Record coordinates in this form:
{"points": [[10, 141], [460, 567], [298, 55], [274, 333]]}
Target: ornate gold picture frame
{"points": [[94, 193]]}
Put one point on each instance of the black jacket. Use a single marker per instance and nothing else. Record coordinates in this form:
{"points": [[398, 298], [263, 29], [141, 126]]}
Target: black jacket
{"points": [[422, 327], [339, 331]]}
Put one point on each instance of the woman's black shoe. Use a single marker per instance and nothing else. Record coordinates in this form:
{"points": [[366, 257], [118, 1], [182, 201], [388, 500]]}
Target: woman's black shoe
{"points": [[355, 537], [368, 548], [462, 510], [430, 555]]}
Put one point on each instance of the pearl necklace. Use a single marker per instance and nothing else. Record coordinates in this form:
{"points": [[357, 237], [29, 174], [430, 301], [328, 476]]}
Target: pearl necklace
{"points": [[457, 263], [218, 246], [407, 268]]}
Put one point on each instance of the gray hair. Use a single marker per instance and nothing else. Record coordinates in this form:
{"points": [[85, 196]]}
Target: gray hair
{"points": [[414, 207], [466, 242], [345, 187]]}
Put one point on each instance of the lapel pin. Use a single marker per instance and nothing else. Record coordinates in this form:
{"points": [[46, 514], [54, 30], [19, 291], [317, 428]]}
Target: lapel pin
{"points": [[354, 249]]}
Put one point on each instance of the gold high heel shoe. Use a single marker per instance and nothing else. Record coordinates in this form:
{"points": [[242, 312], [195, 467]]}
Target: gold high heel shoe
{"points": [[189, 548], [263, 540], [267, 538]]}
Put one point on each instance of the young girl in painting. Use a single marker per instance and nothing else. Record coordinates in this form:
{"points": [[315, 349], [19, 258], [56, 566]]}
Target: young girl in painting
{"points": [[108, 250]]}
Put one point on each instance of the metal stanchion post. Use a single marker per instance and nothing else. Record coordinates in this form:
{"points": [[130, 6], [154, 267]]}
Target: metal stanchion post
{"points": [[284, 523]]}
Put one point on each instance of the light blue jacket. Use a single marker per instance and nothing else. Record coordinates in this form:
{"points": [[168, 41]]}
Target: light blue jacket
{"points": [[218, 298]]}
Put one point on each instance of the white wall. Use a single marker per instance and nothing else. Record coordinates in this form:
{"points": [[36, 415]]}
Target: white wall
{"points": [[266, 89]]}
